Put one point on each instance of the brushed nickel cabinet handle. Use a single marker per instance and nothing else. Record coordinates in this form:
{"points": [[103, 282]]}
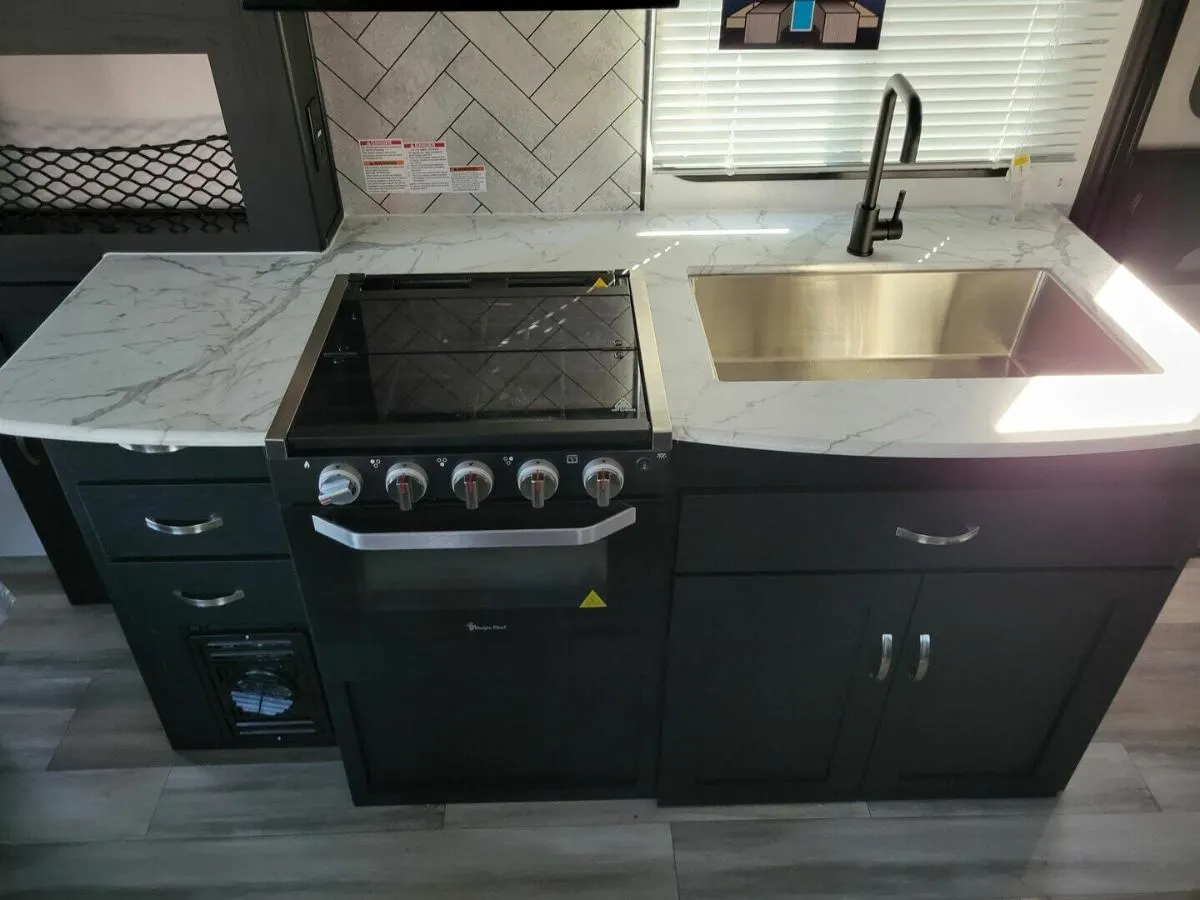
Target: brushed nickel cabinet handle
{"points": [[212, 523], [211, 602], [924, 646], [885, 658], [151, 449], [933, 540]]}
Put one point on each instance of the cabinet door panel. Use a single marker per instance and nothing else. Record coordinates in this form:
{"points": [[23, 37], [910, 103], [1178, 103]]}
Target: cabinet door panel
{"points": [[771, 693], [1007, 654]]}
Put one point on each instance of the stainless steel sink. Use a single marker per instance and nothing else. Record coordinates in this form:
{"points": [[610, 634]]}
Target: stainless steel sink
{"points": [[829, 325]]}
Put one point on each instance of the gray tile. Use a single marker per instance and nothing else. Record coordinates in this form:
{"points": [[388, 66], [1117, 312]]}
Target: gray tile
{"points": [[499, 96], [526, 22], [25, 565], [629, 177], [505, 46], [584, 123], [586, 174], [607, 43], [501, 196], [341, 53], [347, 157], [55, 628], [616, 863], [453, 204], [64, 663], [631, 69], [115, 727], [964, 807], [502, 151], [1173, 775], [838, 858], [352, 22], [425, 59], [391, 33], [352, 112], [442, 104], [78, 806], [355, 202], [1159, 703], [608, 198], [629, 124], [636, 20], [34, 713], [1116, 854], [407, 204], [34, 583], [562, 32], [270, 798], [630, 812], [1183, 606]]}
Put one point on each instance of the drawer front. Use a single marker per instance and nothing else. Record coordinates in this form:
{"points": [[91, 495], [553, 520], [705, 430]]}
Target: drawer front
{"points": [[185, 520], [98, 463], [242, 594], [943, 529]]}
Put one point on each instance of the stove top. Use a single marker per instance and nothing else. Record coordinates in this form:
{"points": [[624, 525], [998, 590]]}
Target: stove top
{"points": [[467, 360]]}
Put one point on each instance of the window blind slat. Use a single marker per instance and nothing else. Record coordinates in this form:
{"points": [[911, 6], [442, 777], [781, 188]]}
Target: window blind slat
{"points": [[993, 77]]}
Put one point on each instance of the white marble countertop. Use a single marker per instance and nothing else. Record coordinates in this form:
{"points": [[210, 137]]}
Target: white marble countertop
{"points": [[197, 349]]}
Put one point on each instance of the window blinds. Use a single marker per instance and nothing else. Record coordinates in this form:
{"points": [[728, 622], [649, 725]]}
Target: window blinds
{"points": [[994, 78]]}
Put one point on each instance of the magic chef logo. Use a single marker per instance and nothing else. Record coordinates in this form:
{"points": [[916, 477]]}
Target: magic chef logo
{"points": [[472, 627]]}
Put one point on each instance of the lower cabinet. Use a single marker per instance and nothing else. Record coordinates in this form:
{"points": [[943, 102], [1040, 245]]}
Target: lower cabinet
{"points": [[782, 687], [773, 687]]}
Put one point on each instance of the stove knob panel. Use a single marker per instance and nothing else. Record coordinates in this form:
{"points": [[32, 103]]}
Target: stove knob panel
{"points": [[537, 480], [406, 483], [338, 484], [603, 479], [471, 482]]}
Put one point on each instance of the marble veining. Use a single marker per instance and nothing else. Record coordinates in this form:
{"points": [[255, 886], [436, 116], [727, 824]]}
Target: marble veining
{"points": [[197, 349]]}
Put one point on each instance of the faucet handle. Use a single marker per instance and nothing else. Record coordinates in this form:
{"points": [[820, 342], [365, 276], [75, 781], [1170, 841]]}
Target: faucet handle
{"points": [[893, 228]]}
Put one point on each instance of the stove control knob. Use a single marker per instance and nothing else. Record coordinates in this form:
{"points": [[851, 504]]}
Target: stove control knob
{"points": [[471, 482], [603, 479], [338, 484], [537, 480], [406, 483]]}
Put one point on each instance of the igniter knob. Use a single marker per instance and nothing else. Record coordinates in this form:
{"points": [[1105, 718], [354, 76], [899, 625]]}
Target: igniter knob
{"points": [[338, 484]]}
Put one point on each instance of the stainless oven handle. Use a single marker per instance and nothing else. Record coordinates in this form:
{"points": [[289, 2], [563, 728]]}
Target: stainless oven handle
{"points": [[474, 540]]}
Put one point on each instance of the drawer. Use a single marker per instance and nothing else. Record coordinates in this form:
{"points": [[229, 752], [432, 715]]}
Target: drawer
{"points": [[98, 463], [186, 520], [163, 596], [985, 528]]}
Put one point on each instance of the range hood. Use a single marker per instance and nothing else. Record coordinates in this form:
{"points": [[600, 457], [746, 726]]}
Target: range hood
{"points": [[449, 5]]}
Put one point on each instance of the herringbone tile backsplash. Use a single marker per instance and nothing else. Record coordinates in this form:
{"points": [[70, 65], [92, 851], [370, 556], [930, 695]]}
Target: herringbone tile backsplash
{"points": [[549, 102]]}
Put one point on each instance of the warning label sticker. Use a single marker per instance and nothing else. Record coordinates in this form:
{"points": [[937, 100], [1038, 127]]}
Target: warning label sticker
{"points": [[593, 601], [416, 167], [385, 166]]}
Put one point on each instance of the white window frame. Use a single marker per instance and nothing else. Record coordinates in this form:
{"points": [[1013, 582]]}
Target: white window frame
{"points": [[1053, 183]]}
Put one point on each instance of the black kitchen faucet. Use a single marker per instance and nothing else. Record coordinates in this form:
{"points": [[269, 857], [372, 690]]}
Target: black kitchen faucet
{"points": [[868, 227]]}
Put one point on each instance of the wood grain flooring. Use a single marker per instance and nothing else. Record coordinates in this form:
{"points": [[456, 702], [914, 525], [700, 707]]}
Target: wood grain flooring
{"points": [[94, 803]]}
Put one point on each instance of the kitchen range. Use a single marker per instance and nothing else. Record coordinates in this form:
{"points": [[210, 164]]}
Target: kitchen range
{"points": [[473, 473]]}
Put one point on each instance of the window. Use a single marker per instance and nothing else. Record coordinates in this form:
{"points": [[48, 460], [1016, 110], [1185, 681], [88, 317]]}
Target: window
{"points": [[994, 77]]}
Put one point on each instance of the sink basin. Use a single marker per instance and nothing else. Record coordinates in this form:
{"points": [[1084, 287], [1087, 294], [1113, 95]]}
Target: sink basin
{"points": [[831, 325]]}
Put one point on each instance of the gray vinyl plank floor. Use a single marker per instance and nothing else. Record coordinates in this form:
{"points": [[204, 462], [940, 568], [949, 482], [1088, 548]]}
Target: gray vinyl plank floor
{"points": [[95, 803]]}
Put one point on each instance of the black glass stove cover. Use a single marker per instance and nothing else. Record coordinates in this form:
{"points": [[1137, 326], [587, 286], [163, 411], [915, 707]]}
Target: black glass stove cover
{"points": [[408, 352]]}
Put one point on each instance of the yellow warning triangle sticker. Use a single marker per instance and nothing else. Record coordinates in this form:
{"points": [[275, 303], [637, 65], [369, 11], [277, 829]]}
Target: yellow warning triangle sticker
{"points": [[593, 601], [600, 283]]}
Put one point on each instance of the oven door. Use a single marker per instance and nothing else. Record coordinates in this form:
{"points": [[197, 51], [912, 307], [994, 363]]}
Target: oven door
{"points": [[501, 653]]}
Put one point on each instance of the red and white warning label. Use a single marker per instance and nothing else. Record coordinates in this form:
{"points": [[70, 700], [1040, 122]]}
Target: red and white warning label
{"points": [[416, 167], [385, 166]]}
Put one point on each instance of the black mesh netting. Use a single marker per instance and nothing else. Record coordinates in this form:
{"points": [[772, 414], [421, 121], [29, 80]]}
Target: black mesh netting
{"points": [[179, 187]]}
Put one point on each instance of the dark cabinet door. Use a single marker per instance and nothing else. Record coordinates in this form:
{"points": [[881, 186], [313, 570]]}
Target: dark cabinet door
{"points": [[1004, 678], [775, 684]]}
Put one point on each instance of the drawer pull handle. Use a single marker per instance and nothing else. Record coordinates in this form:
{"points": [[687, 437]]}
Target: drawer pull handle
{"points": [[151, 449], [924, 646], [934, 540], [212, 523], [211, 602], [885, 658]]}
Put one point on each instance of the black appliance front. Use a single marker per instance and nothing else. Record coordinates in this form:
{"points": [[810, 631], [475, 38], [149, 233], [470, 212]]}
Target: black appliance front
{"points": [[462, 672], [263, 687], [451, 5]]}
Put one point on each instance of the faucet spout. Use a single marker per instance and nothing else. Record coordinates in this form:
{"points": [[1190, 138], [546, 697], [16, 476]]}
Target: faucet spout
{"points": [[868, 227]]}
